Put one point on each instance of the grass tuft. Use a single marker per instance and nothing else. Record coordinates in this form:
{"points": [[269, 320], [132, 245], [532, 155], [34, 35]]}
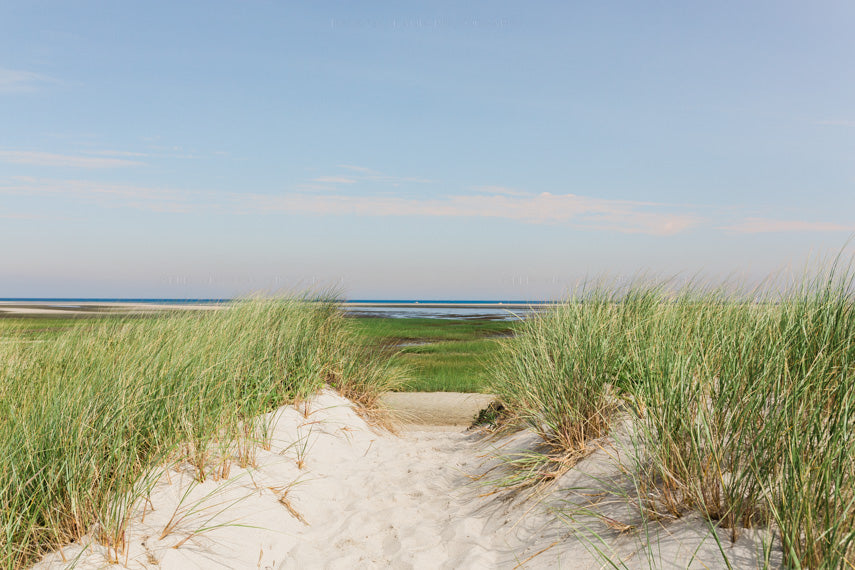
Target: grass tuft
{"points": [[743, 404], [86, 413]]}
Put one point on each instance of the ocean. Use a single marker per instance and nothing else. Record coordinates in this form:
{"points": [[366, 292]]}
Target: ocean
{"points": [[388, 308]]}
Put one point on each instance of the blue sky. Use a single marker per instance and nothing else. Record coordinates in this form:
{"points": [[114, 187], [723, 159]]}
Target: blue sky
{"points": [[426, 150]]}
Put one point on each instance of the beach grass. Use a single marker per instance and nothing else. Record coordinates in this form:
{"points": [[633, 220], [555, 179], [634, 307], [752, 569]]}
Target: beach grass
{"points": [[743, 403], [439, 355], [90, 410]]}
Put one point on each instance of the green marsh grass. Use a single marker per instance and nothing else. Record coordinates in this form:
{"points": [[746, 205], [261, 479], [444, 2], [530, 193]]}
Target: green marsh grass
{"points": [[87, 414], [397, 330], [439, 354], [743, 404]]}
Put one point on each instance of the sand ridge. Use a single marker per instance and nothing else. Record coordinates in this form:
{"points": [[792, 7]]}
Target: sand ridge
{"points": [[369, 499]]}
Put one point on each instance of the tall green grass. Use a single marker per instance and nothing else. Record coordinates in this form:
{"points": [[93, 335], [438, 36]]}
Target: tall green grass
{"points": [[743, 404], [86, 415]]}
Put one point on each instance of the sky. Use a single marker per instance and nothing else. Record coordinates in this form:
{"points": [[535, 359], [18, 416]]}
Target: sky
{"points": [[443, 150]]}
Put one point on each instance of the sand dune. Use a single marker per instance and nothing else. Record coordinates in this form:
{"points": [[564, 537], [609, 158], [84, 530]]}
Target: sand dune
{"points": [[369, 499]]}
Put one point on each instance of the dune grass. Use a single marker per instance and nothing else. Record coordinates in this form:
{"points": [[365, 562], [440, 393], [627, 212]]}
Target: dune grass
{"points": [[440, 355], [87, 413], [743, 403]]}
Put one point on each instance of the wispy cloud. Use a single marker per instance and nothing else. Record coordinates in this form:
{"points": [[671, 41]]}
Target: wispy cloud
{"points": [[37, 158], [573, 210], [837, 123], [313, 187], [359, 178], [124, 153], [19, 81], [502, 190], [117, 195], [361, 173], [578, 211], [765, 225], [334, 180], [12, 216], [581, 211], [355, 168]]}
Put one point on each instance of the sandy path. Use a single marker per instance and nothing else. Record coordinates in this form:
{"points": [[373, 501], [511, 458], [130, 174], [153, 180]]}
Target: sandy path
{"points": [[365, 499], [436, 408]]}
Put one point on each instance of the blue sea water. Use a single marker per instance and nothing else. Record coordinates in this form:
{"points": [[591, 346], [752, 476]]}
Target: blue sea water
{"points": [[389, 308], [74, 300], [447, 312]]}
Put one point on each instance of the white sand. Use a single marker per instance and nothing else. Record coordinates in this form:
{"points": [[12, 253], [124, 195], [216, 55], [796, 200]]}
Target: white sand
{"points": [[90, 308], [375, 500], [428, 409]]}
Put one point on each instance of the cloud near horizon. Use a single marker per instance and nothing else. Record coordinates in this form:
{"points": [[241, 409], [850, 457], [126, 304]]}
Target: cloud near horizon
{"points": [[37, 158], [578, 211], [766, 225], [836, 123], [112, 195], [582, 211]]}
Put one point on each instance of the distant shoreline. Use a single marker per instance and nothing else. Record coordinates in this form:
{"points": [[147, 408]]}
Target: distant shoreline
{"points": [[451, 304], [12, 307], [190, 301]]}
